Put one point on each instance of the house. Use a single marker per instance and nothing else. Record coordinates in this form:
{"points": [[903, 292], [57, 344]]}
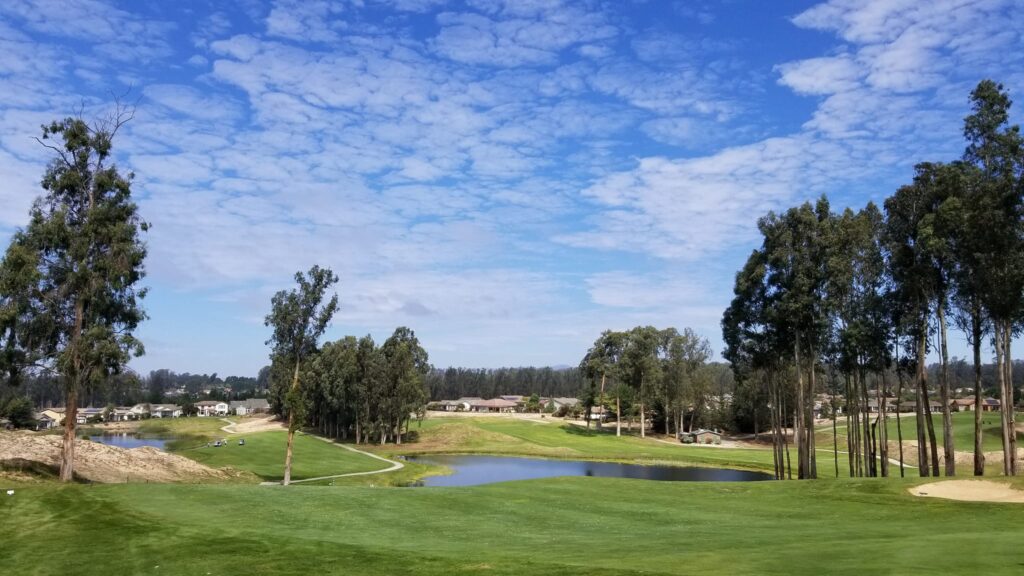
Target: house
{"points": [[558, 402], [990, 405], [466, 402], [55, 415], [5, 424], [701, 436], [961, 405], [493, 405], [875, 408], [212, 408], [598, 413], [518, 399], [44, 421], [936, 407], [165, 411], [446, 406], [84, 415], [140, 411], [122, 414], [250, 406]]}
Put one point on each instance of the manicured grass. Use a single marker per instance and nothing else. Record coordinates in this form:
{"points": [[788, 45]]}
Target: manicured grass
{"points": [[196, 426], [555, 439], [963, 430], [554, 526], [263, 455]]}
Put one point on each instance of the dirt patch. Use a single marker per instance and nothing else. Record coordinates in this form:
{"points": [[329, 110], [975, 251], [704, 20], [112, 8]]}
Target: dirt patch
{"points": [[108, 464], [970, 491], [252, 425]]}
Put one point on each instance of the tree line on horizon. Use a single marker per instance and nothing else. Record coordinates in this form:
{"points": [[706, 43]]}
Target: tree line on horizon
{"points": [[863, 296]]}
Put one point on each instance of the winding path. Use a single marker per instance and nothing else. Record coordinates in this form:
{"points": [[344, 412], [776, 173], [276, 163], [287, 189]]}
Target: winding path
{"points": [[394, 465]]}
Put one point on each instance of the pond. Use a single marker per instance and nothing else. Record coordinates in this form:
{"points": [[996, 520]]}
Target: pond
{"points": [[130, 440], [473, 470]]}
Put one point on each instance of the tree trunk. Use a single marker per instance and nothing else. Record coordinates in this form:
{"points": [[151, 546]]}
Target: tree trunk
{"points": [[835, 436], [851, 431], [922, 442], [291, 430], [1000, 359], [798, 415], [643, 416], [979, 454], [67, 453], [1011, 426], [812, 464], [600, 402], [899, 424], [947, 418], [883, 431], [618, 417]]}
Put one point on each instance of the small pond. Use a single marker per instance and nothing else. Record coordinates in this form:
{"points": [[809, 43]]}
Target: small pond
{"points": [[473, 470], [130, 440]]}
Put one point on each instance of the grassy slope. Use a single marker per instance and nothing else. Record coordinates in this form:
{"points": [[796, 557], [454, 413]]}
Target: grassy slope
{"points": [[963, 438], [963, 430], [556, 526], [505, 436], [263, 455]]}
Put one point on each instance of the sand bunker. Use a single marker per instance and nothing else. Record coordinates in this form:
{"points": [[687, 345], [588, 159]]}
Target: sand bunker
{"points": [[102, 463], [970, 491]]}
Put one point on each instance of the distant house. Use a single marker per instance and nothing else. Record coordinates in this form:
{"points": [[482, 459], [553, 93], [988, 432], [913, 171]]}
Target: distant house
{"points": [[212, 408], [84, 415], [935, 406], [493, 405], [990, 405], [55, 415], [961, 405], [122, 414], [447, 406], [558, 402], [44, 421], [518, 399], [165, 411], [5, 424], [875, 408], [250, 406], [701, 436], [466, 402], [139, 411]]}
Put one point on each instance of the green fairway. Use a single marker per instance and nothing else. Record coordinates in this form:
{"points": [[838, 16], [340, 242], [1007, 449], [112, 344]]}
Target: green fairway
{"points": [[263, 455], [555, 439], [556, 526]]}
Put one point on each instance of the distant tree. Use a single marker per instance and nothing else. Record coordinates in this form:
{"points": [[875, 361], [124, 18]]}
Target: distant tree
{"points": [[78, 263], [298, 318], [407, 365], [601, 363], [641, 368], [20, 411], [533, 403]]}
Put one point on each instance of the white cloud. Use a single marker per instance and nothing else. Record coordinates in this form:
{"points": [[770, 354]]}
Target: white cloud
{"points": [[826, 75]]}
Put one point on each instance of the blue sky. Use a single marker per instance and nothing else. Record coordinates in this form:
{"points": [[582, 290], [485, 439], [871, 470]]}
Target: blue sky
{"points": [[507, 178]]}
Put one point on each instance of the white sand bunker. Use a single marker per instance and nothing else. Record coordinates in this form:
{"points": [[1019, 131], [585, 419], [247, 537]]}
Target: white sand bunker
{"points": [[970, 491]]}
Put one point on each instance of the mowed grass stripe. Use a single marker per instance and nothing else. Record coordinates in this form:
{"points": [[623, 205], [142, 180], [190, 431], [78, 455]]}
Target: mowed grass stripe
{"points": [[552, 526]]}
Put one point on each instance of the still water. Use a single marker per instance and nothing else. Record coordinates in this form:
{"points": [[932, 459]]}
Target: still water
{"points": [[473, 470], [129, 440]]}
